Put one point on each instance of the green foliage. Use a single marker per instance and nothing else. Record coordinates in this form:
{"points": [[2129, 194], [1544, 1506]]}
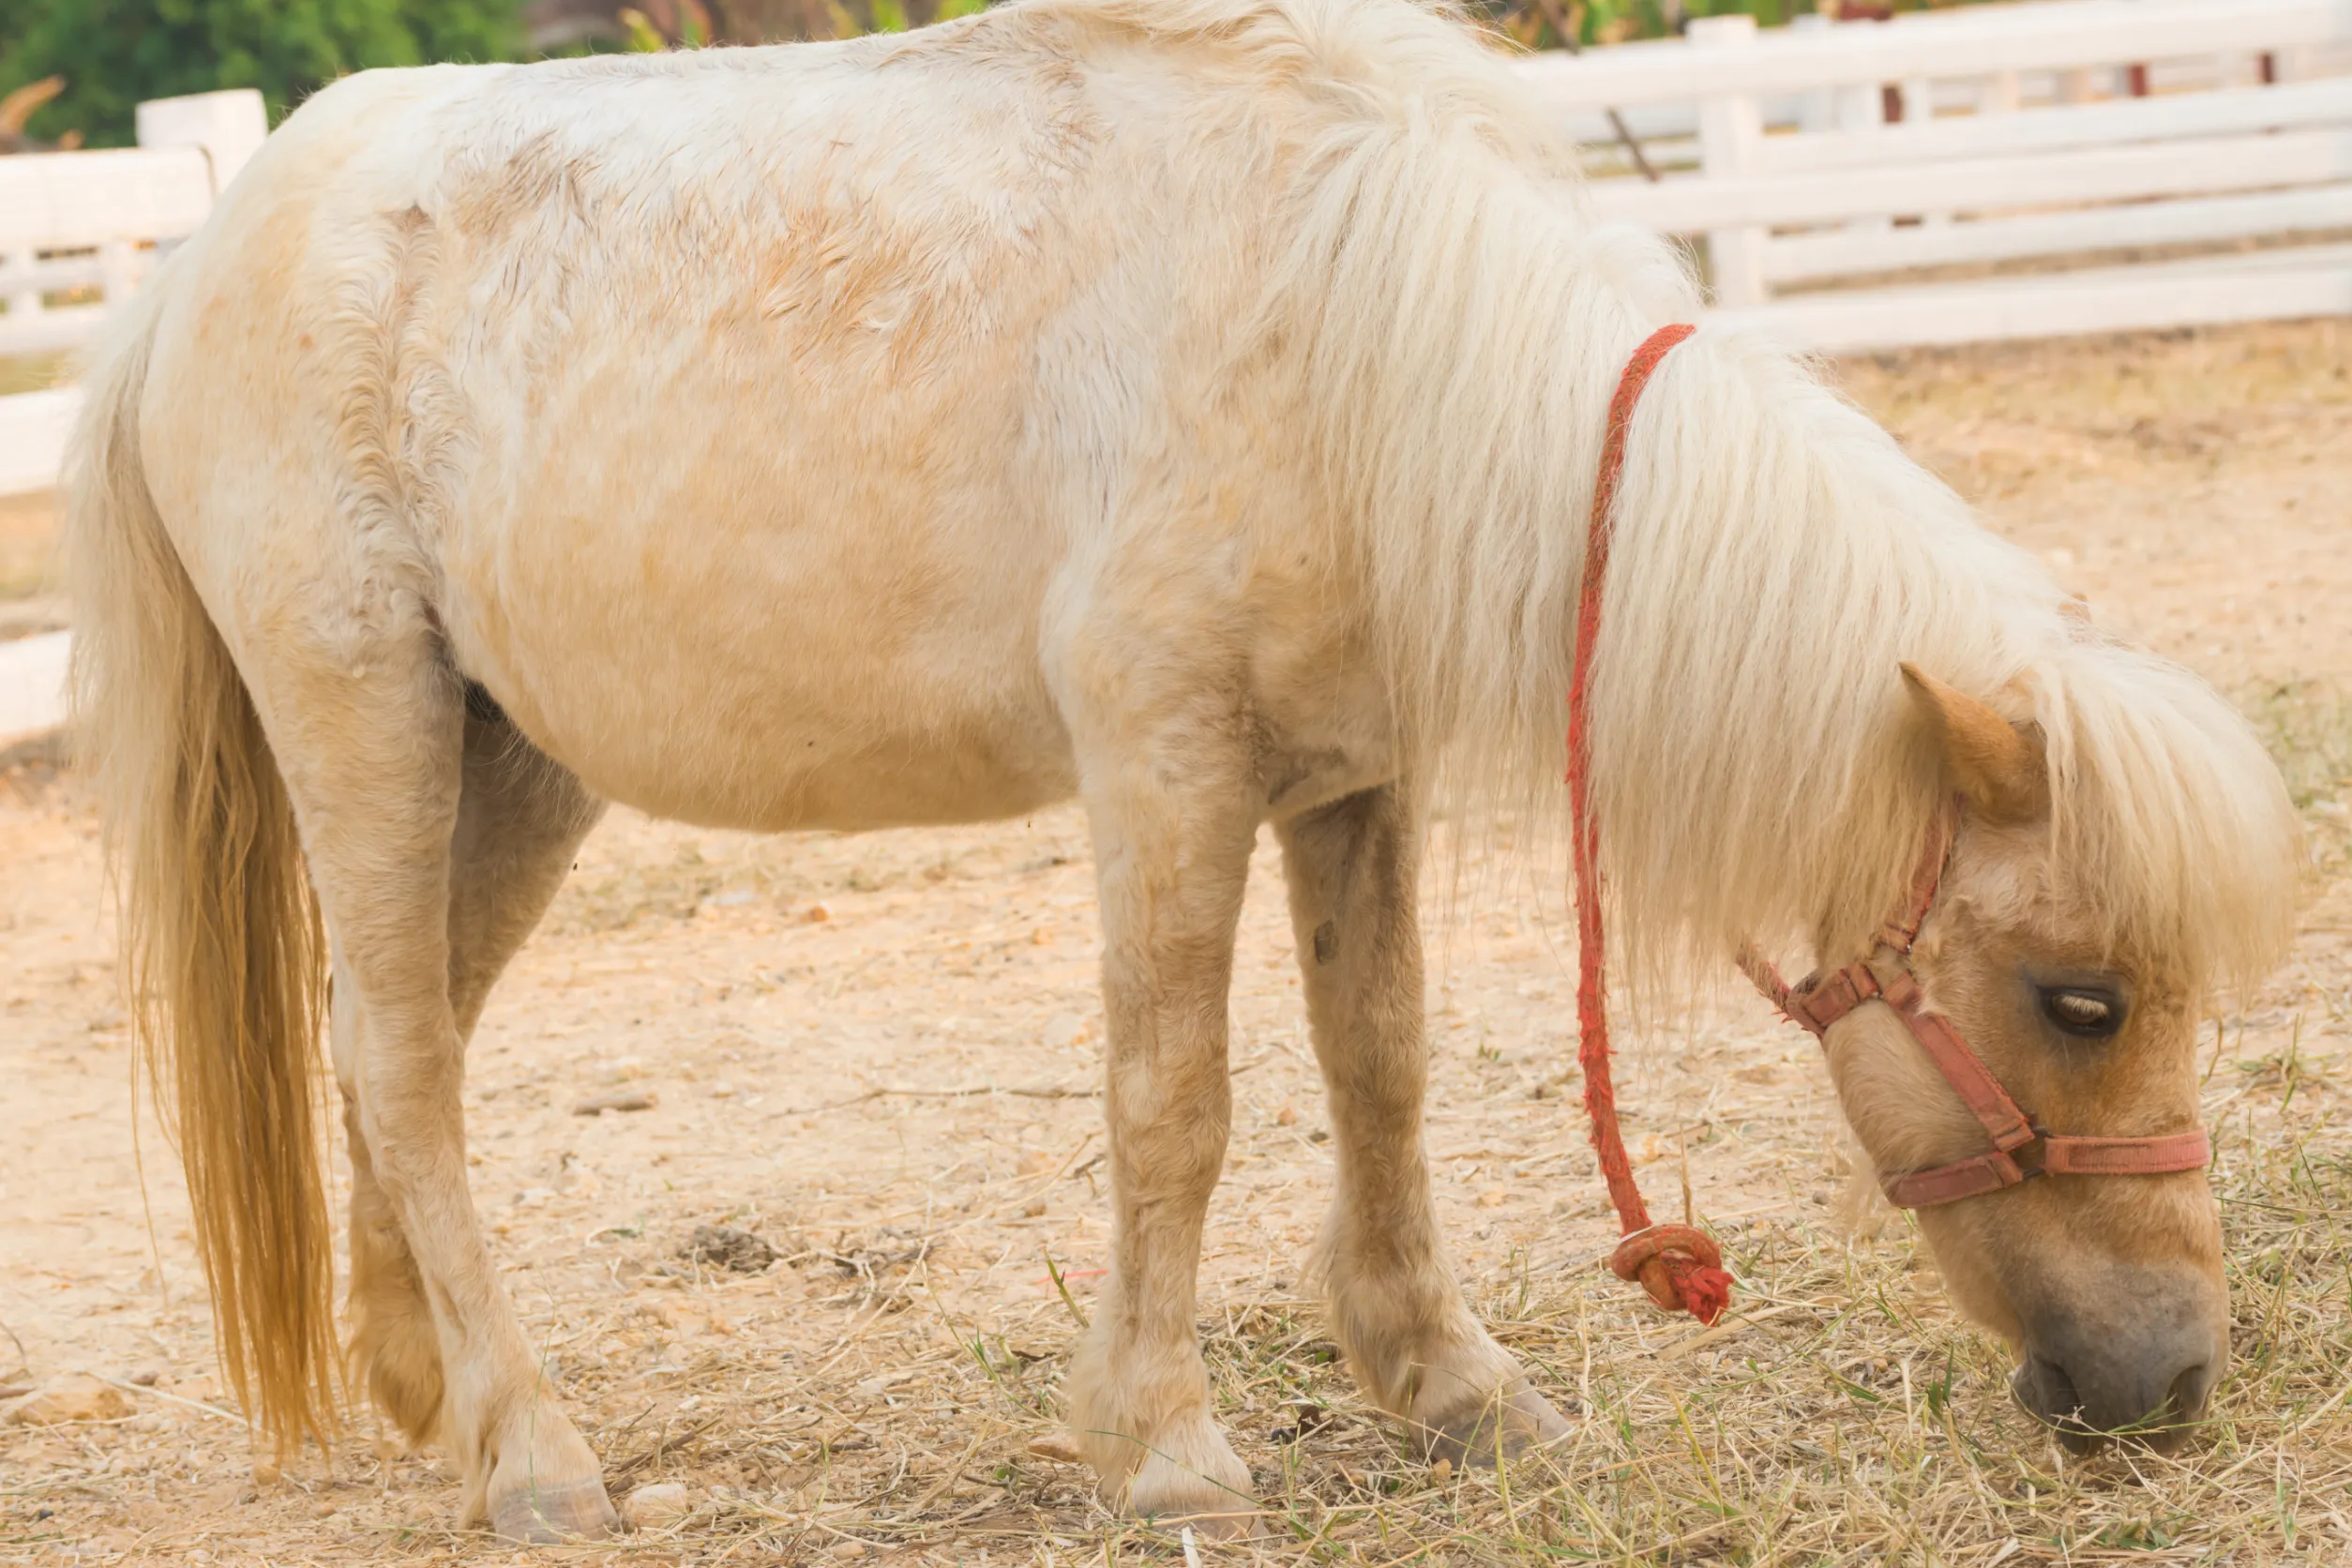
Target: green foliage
{"points": [[641, 37], [1606, 21], [116, 53], [770, 21]]}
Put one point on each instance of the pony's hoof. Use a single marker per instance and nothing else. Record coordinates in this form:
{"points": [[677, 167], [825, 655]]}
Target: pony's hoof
{"points": [[1505, 1425], [1214, 1501], [1230, 1525], [1227, 1518], [549, 1514]]}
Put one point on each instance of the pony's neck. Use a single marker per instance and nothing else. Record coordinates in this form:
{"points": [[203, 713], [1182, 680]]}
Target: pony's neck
{"points": [[1775, 558]]}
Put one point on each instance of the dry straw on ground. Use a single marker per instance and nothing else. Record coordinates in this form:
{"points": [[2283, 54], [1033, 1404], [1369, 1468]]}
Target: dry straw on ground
{"points": [[876, 1060]]}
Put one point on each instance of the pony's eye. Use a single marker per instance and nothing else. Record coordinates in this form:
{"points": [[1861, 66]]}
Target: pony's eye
{"points": [[2089, 1014]]}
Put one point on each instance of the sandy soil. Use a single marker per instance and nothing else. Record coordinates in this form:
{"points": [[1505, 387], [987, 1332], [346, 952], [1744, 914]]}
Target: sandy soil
{"points": [[880, 1053]]}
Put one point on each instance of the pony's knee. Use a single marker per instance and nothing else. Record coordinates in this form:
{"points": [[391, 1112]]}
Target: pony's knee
{"points": [[1170, 1160]]}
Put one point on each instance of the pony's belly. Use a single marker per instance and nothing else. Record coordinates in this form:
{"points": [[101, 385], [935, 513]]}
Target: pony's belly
{"points": [[726, 755], [794, 696], [900, 781]]}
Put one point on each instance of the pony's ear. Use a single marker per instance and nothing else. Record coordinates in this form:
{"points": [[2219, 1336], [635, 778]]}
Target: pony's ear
{"points": [[1999, 766]]}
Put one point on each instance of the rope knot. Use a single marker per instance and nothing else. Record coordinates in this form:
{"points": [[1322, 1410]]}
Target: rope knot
{"points": [[1680, 1266]]}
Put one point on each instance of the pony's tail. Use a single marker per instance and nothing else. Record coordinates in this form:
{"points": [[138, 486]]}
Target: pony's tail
{"points": [[223, 954]]}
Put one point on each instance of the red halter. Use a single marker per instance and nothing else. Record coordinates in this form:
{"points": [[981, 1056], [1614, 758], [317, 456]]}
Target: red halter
{"points": [[1677, 1264]]}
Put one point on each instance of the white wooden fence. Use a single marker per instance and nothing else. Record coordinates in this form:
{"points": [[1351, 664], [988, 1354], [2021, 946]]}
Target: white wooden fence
{"points": [[85, 227], [2019, 152], [78, 230]]}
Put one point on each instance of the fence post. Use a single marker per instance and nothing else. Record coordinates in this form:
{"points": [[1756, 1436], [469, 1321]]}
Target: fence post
{"points": [[229, 125], [118, 270], [1817, 107], [1730, 137], [23, 297], [1918, 108]]}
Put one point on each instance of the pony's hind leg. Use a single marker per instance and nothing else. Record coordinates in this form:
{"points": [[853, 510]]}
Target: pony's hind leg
{"points": [[519, 818], [1396, 1309], [374, 747]]}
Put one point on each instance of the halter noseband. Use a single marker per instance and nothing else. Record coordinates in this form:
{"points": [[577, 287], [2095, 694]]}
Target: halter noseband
{"points": [[1820, 1001], [1680, 1265]]}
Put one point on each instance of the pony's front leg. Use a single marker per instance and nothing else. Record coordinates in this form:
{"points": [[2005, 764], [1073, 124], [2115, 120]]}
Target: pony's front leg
{"points": [[1396, 1309], [1173, 859]]}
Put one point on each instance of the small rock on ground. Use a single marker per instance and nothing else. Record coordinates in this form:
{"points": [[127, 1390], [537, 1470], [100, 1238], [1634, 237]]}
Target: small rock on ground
{"points": [[659, 1503], [621, 1099], [728, 1247], [76, 1397]]}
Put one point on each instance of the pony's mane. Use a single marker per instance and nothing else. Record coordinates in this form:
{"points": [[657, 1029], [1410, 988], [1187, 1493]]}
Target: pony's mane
{"points": [[1758, 767], [1776, 557]]}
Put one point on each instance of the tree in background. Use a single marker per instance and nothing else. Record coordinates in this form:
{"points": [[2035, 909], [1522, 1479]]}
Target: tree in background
{"points": [[834, 18], [694, 23], [113, 54], [1539, 23]]}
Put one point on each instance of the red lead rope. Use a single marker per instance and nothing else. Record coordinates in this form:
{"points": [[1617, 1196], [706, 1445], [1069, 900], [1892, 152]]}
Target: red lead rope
{"points": [[1677, 1264]]}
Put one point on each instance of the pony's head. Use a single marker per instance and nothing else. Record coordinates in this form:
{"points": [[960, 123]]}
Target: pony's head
{"points": [[2076, 966]]}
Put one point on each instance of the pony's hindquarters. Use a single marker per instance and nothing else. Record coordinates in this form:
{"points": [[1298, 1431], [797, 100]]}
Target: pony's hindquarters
{"points": [[223, 955]]}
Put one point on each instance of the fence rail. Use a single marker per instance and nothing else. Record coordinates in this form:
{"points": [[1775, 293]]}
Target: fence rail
{"points": [[32, 693], [34, 427], [2222, 112], [1982, 41], [1952, 185], [2278, 285]]}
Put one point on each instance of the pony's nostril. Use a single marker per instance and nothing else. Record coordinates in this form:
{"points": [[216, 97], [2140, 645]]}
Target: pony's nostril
{"points": [[2168, 1425], [2043, 1387]]}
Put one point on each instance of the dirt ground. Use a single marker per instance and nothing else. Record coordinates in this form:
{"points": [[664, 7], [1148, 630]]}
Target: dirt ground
{"points": [[879, 1055]]}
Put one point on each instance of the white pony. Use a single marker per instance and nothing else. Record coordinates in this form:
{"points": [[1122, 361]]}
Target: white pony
{"points": [[1186, 405]]}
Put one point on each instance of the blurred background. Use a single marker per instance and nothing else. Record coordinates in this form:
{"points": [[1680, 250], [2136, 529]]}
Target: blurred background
{"points": [[71, 70]]}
